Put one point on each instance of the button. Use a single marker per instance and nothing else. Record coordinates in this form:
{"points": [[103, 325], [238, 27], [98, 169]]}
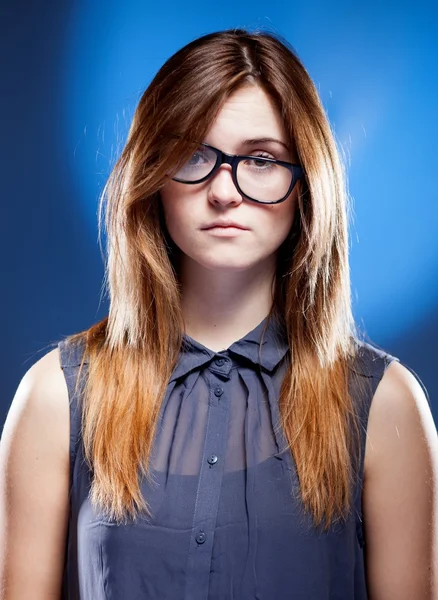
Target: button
{"points": [[220, 361], [201, 537], [212, 460], [218, 391]]}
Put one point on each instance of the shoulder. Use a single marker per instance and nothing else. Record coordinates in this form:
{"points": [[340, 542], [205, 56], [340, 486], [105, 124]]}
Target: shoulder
{"points": [[400, 411], [43, 382], [40, 407], [400, 416], [370, 361], [72, 351], [400, 487], [34, 481]]}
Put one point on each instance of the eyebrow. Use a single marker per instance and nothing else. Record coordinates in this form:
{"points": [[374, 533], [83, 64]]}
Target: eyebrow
{"points": [[263, 140]]}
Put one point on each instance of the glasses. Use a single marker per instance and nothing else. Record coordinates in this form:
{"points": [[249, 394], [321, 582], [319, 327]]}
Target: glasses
{"points": [[257, 178]]}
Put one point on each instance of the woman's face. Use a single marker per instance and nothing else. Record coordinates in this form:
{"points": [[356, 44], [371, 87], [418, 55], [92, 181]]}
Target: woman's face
{"points": [[244, 122]]}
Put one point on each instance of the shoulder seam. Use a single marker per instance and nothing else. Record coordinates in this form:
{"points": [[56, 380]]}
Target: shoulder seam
{"points": [[71, 353], [367, 356]]}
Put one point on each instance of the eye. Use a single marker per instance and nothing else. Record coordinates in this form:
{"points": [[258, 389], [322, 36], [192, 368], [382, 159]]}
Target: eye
{"points": [[197, 159], [259, 161], [198, 166]]}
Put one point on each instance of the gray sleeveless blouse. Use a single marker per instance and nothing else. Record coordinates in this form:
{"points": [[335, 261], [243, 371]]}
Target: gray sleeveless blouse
{"points": [[226, 521]]}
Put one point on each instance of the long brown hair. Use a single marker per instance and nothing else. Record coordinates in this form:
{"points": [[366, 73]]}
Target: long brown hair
{"points": [[132, 352]]}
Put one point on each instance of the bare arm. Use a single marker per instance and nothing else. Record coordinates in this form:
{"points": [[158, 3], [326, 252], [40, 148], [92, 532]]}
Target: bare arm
{"points": [[400, 500], [34, 481]]}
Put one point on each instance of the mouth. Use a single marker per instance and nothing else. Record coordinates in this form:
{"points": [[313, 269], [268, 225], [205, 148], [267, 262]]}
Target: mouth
{"points": [[228, 231], [225, 226]]}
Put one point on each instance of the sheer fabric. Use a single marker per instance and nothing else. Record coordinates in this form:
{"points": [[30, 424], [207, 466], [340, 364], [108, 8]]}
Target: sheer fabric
{"points": [[227, 522]]}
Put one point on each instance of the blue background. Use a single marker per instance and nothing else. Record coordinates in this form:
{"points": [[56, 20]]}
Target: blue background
{"points": [[72, 74]]}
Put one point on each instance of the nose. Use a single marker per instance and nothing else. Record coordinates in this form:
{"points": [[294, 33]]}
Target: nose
{"points": [[222, 189]]}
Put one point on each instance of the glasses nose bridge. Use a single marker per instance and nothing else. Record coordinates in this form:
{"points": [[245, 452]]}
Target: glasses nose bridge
{"points": [[227, 159]]}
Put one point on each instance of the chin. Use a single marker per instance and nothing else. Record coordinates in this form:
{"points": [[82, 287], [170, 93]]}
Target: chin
{"points": [[224, 264]]}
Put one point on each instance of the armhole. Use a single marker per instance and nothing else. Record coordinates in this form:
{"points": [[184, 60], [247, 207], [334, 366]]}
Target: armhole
{"points": [[368, 369], [70, 355]]}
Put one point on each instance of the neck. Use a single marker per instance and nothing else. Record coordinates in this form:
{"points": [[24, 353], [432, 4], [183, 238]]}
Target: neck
{"points": [[221, 307]]}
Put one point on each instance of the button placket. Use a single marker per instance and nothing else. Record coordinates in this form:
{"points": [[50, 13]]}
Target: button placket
{"points": [[208, 489]]}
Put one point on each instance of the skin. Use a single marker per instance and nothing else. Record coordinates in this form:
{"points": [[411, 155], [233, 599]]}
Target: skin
{"points": [[400, 497], [226, 281], [401, 459]]}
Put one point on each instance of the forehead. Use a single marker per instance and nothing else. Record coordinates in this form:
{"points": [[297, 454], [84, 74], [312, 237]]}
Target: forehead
{"points": [[246, 114]]}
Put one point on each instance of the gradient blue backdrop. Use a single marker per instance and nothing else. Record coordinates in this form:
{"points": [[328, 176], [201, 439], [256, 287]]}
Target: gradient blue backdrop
{"points": [[72, 75]]}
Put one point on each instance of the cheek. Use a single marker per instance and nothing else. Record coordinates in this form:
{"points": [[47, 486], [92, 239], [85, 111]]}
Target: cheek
{"points": [[177, 215], [279, 222], [171, 205]]}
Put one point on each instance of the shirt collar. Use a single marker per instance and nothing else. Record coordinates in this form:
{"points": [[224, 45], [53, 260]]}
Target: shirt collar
{"points": [[266, 353]]}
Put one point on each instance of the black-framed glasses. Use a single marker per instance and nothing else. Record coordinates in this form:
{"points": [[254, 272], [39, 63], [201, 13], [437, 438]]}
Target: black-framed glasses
{"points": [[257, 178]]}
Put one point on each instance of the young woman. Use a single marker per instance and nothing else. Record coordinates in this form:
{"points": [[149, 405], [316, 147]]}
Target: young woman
{"points": [[223, 433]]}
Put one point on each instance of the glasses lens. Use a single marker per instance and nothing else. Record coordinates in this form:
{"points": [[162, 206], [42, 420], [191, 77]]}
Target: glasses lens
{"points": [[200, 164], [263, 180]]}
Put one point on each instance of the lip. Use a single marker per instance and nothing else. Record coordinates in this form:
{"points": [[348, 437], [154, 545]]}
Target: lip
{"points": [[226, 232], [225, 225]]}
